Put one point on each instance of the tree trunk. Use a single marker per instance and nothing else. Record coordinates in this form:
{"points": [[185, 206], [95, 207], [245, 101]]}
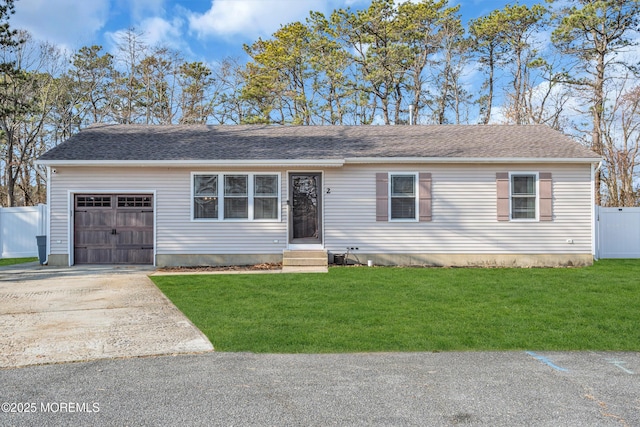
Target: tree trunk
{"points": [[492, 65], [10, 178], [598, 110]]}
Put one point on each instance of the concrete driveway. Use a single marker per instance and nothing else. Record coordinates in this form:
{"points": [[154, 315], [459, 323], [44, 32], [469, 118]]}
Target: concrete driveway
{"points": [[51, 315]]}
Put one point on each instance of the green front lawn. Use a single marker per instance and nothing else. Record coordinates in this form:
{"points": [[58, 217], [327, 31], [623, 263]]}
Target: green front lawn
{"points": [[12, 261], [416, 309]]}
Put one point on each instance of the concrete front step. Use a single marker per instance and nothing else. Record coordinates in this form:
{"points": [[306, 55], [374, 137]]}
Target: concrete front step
{"points": [[298, 269], [305, 254], [305, 259]]}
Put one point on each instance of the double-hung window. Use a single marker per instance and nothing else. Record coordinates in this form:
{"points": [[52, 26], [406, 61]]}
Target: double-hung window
{"points": [[265, 197], [403, 198], [236, 196], [205, 196], [524, 196]]}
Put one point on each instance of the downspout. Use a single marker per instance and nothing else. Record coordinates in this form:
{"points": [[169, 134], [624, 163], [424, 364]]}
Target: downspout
{"points": [[595, 214], [47, 226]]}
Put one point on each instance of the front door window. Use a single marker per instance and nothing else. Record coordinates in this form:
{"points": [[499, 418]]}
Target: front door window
{"points": [[305, 208]]}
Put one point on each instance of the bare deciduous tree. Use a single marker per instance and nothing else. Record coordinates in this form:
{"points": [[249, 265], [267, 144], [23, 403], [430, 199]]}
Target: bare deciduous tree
{"points": [[621, 147]]}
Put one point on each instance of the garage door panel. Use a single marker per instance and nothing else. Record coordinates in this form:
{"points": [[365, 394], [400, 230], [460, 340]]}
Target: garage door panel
{"points": [[114, 229], [94, 218], [134, 237], [134, 219], [88, 255], [93, 238], [81, 255], [134, 256]]}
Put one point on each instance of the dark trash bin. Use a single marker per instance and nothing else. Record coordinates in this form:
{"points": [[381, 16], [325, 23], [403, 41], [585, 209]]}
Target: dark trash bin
{"points": [[42, 249]]}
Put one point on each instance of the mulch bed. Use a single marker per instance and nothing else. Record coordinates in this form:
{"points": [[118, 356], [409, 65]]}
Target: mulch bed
{"points": [[204, 268]]}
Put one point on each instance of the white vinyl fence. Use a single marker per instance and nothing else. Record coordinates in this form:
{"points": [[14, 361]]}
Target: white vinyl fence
{"points": [[618, 232], [19, 228]]}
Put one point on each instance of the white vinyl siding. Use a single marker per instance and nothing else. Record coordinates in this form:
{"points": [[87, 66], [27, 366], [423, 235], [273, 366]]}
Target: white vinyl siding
{"points": [[463, 209], [176, 231]]}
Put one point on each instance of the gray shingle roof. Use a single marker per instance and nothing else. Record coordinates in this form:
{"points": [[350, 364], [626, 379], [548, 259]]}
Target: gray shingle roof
{"points": [[252, 142]]}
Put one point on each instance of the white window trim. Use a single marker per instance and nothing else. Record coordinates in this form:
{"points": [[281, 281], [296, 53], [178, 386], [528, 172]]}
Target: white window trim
{"points": [[250, 195], [416, 191], [537, 178]]}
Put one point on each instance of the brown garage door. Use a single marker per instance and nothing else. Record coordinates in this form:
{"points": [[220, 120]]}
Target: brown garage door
{"points": [[113, 229]]}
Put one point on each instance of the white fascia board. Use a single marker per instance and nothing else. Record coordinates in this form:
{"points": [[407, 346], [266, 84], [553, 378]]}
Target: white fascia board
{"points": [[329, 163], [476, 160], [311, 162]]}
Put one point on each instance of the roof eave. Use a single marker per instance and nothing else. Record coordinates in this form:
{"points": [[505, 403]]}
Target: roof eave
{"points": [[315, 162], [195, 163], [378, 160]]}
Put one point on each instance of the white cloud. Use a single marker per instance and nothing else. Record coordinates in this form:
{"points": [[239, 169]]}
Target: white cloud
{"points": [[248, 18], [349, 3], [160, 32], [149, 33], [142, 8], [69, 23], [117, 41]]}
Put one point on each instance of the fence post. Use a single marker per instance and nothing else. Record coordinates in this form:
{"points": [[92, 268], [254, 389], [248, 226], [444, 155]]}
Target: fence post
{"points": [[596, 232], [1, 233]]}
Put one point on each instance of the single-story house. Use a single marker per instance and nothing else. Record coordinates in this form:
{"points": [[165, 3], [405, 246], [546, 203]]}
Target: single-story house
{"points": [[486, 195]]}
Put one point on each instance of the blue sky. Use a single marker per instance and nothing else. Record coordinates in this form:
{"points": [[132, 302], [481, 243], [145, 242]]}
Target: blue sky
{"points": [[202, 30]]}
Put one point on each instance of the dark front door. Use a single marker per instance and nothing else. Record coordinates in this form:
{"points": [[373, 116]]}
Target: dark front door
{"points": [[305, 198], [113, 229]]}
